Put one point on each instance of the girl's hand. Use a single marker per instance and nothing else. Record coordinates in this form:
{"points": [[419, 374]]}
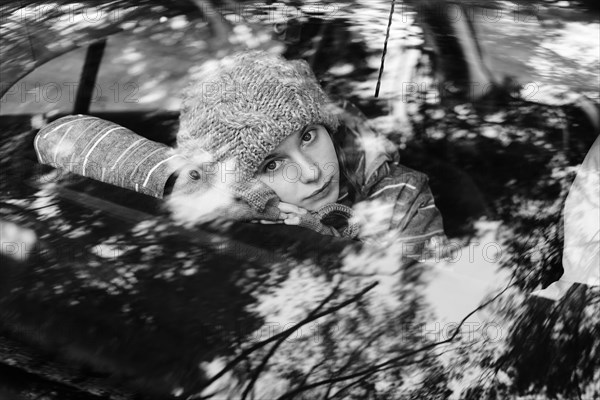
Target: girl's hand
{"points": [[289, 214]]}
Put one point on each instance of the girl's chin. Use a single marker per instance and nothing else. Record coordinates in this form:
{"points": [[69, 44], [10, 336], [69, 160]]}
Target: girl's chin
{"points": [[317, 204]]}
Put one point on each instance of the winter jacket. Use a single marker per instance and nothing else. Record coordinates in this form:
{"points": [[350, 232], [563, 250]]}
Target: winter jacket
{"points": [[375, 180]]}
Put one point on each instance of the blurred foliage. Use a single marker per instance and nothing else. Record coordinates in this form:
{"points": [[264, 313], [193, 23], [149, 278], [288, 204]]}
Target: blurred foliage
{"points": [[518, 160], [167, 299], [34, 32], [521, 159]]}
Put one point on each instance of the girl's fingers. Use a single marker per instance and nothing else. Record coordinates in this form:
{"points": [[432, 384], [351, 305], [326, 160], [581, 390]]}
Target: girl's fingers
{"points": [[289, 214], [283, 215], [291, 208], [292, 221]]}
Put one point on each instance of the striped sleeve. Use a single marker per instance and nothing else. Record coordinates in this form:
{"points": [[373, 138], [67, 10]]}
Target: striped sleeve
{"points": [[414, 214], [107, 152]]}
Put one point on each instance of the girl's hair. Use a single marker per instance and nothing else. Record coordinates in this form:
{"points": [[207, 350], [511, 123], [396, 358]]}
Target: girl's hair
{"points": [[347, 177]]}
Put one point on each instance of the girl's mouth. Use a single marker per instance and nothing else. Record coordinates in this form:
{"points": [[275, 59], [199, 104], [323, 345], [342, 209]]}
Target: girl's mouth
{"points": [[321, 192]]}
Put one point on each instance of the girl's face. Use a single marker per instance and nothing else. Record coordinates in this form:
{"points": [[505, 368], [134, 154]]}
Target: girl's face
{"points": [[303, 170]]}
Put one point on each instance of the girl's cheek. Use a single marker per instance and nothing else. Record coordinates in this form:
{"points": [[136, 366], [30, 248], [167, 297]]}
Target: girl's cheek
{"points": [[329, 169], [279, 184], [268, 177]]}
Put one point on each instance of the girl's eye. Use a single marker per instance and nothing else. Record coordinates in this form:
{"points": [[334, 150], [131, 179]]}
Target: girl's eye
{"points": [[308, 136], [272, 165]]}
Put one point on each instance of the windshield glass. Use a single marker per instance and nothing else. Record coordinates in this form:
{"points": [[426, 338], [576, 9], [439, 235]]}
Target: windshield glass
{"points": [[134, 265]]}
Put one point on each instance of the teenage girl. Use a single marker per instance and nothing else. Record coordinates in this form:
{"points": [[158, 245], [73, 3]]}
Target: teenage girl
{"points": [[262, 127]]}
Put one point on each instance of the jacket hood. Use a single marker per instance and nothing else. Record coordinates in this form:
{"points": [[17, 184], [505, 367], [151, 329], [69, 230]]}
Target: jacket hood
{"points": [[364, 149]]}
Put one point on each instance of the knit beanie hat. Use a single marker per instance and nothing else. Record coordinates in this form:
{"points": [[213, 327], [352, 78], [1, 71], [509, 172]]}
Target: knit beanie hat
{"points": [[246, 105]]}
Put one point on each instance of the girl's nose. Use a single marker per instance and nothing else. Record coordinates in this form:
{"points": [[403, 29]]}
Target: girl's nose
{"points": [[309, 170]]}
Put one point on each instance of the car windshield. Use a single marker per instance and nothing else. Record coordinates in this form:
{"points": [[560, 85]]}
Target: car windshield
{"points": [[481, 113]]}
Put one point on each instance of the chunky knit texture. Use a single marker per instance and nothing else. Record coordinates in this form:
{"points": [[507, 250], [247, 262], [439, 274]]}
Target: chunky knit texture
{"points": [[331, 219], [247, 104]]}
